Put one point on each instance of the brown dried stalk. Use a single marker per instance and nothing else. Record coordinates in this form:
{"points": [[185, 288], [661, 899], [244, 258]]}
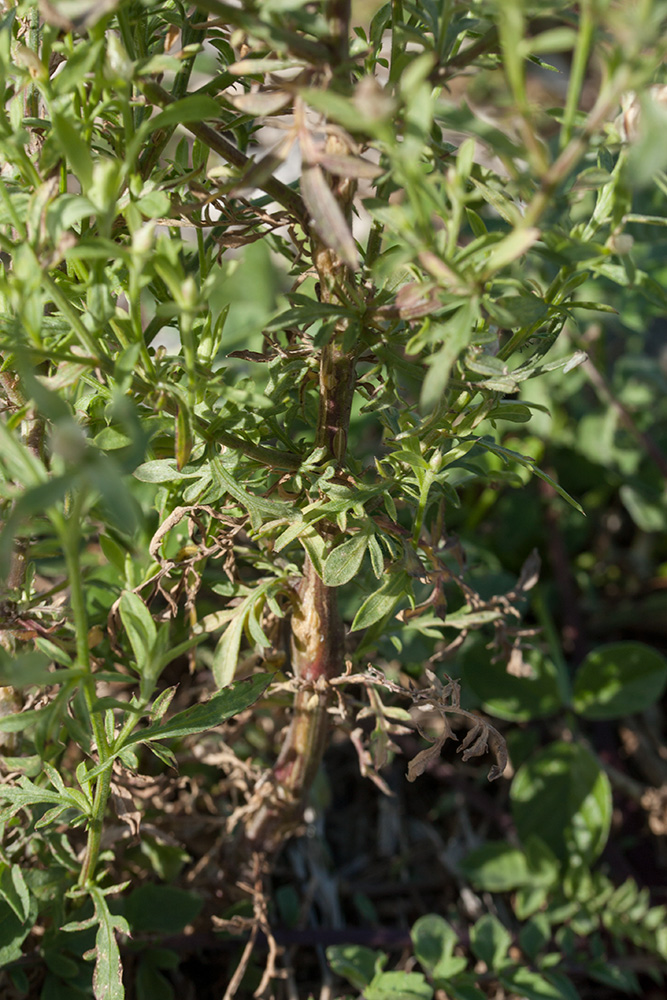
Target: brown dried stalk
{"points": [[317, 633]]}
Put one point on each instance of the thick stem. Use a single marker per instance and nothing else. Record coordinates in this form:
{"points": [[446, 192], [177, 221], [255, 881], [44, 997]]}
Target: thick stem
{"points": [[317, 643], [317, 656]]}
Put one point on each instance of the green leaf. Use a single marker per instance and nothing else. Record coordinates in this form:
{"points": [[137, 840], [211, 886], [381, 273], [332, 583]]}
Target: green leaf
{"points": [[533, 986], [562, 796], [455, 333], [14, 890], [222, 706], [140, 627], [434, 941], [342, 564], [162, 470], [534, 936], [619, 679], [108, 972], [490, 942], [398, 986], [26, 794], [509, 248], [226, 655], [353, 962], [13, 932], [195, 108], [258, 508], [29, 668], [74, 148], [507, 696], [383, 601], [22, 720], [499, 867], [161, 909]]}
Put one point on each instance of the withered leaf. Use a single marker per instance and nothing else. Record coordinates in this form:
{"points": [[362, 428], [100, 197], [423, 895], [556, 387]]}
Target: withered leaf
{"points": [[259, 103], [349, 166], [328, 219], [260, 170], [530, 572], [419, 763], [482, 738]]}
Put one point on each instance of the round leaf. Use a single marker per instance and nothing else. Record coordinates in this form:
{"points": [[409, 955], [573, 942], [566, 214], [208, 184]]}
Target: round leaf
{"points": [[507, 696], [619, 679], [562, 796]]}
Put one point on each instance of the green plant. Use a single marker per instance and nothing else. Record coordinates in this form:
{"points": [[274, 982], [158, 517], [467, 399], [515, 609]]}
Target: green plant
{"points": [[233, 459]]}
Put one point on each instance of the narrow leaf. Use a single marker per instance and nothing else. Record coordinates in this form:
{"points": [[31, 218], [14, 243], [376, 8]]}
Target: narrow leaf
{"points": [[222, 706], [226, 656], [327, 216], [196, 108], [139, 626], [383, 601]]}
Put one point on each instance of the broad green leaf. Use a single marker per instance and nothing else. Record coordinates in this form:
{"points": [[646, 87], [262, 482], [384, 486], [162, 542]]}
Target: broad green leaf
{"points": [[534, 936], [499, 867], [490, 941], [354, 962], [342, 564], [562, 796], [619, 679], [434, 941], [222, 706], [398, 986], [517, 698], [532, 985], [383, 601], [22, 720], [646, 507], [30, 668]]}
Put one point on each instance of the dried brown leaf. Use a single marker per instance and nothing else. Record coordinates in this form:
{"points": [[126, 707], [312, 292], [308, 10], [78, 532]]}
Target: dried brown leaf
{"points": [[419, 763], [530, 572], [349, 166], [482, 738], [260, 170], [327, 216], [260, 103]]}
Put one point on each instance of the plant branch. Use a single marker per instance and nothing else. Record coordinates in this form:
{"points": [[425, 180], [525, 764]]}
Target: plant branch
{"points": [[281, 193], [317, 640], [69, 534]]}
